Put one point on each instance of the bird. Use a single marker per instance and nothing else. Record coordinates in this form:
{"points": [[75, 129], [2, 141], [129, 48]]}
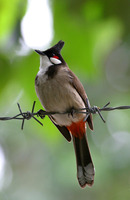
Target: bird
{"points": [[59, 90]]}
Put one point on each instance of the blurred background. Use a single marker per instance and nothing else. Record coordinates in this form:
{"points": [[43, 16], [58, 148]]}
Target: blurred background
{"points": [[38, 163]]}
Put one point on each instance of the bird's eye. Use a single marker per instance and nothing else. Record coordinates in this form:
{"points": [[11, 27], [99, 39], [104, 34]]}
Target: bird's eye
{"points": [[54, 56]]}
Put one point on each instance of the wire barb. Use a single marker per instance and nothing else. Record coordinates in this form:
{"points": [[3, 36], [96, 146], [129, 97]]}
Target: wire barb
{"points": [[42, 113], [23, 116]]}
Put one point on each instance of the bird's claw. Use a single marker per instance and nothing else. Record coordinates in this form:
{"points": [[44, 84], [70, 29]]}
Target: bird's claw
{"points": [[71, 112], [41, 113]]}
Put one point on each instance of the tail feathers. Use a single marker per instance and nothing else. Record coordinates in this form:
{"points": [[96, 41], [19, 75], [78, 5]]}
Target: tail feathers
{"points": [[85, 175], [85, 168]]}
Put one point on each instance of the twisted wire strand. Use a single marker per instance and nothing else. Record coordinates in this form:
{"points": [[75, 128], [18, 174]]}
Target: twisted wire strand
{"points": [[42, 113]]}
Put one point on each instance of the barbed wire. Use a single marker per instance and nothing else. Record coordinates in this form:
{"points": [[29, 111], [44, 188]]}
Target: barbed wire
{"points": [[42, 113]]}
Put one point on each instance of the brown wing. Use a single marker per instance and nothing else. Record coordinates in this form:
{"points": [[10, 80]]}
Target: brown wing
{"points": [[80, 89], [64, 131]]}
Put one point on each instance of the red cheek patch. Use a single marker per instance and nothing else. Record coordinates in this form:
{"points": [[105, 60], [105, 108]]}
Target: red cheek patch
{"points": [[56, 57]]}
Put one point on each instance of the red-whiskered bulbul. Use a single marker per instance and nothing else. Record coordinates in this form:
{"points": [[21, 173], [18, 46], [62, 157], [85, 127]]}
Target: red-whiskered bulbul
{"points": [[59, 90]]}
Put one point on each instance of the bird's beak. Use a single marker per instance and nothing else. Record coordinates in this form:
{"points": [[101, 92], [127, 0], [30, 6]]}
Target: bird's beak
{"points": [[40, 52]]}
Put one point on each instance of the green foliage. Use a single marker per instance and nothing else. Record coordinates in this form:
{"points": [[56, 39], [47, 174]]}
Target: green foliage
{"points": [[10, 14], [39, 163], [89, 36]]}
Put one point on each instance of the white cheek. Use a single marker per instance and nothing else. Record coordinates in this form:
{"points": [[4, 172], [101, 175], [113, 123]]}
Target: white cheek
{"points": [[55, 61]]}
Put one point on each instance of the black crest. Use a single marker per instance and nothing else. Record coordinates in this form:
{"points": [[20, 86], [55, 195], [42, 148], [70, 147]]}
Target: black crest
{"points": [[56, 48]]}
